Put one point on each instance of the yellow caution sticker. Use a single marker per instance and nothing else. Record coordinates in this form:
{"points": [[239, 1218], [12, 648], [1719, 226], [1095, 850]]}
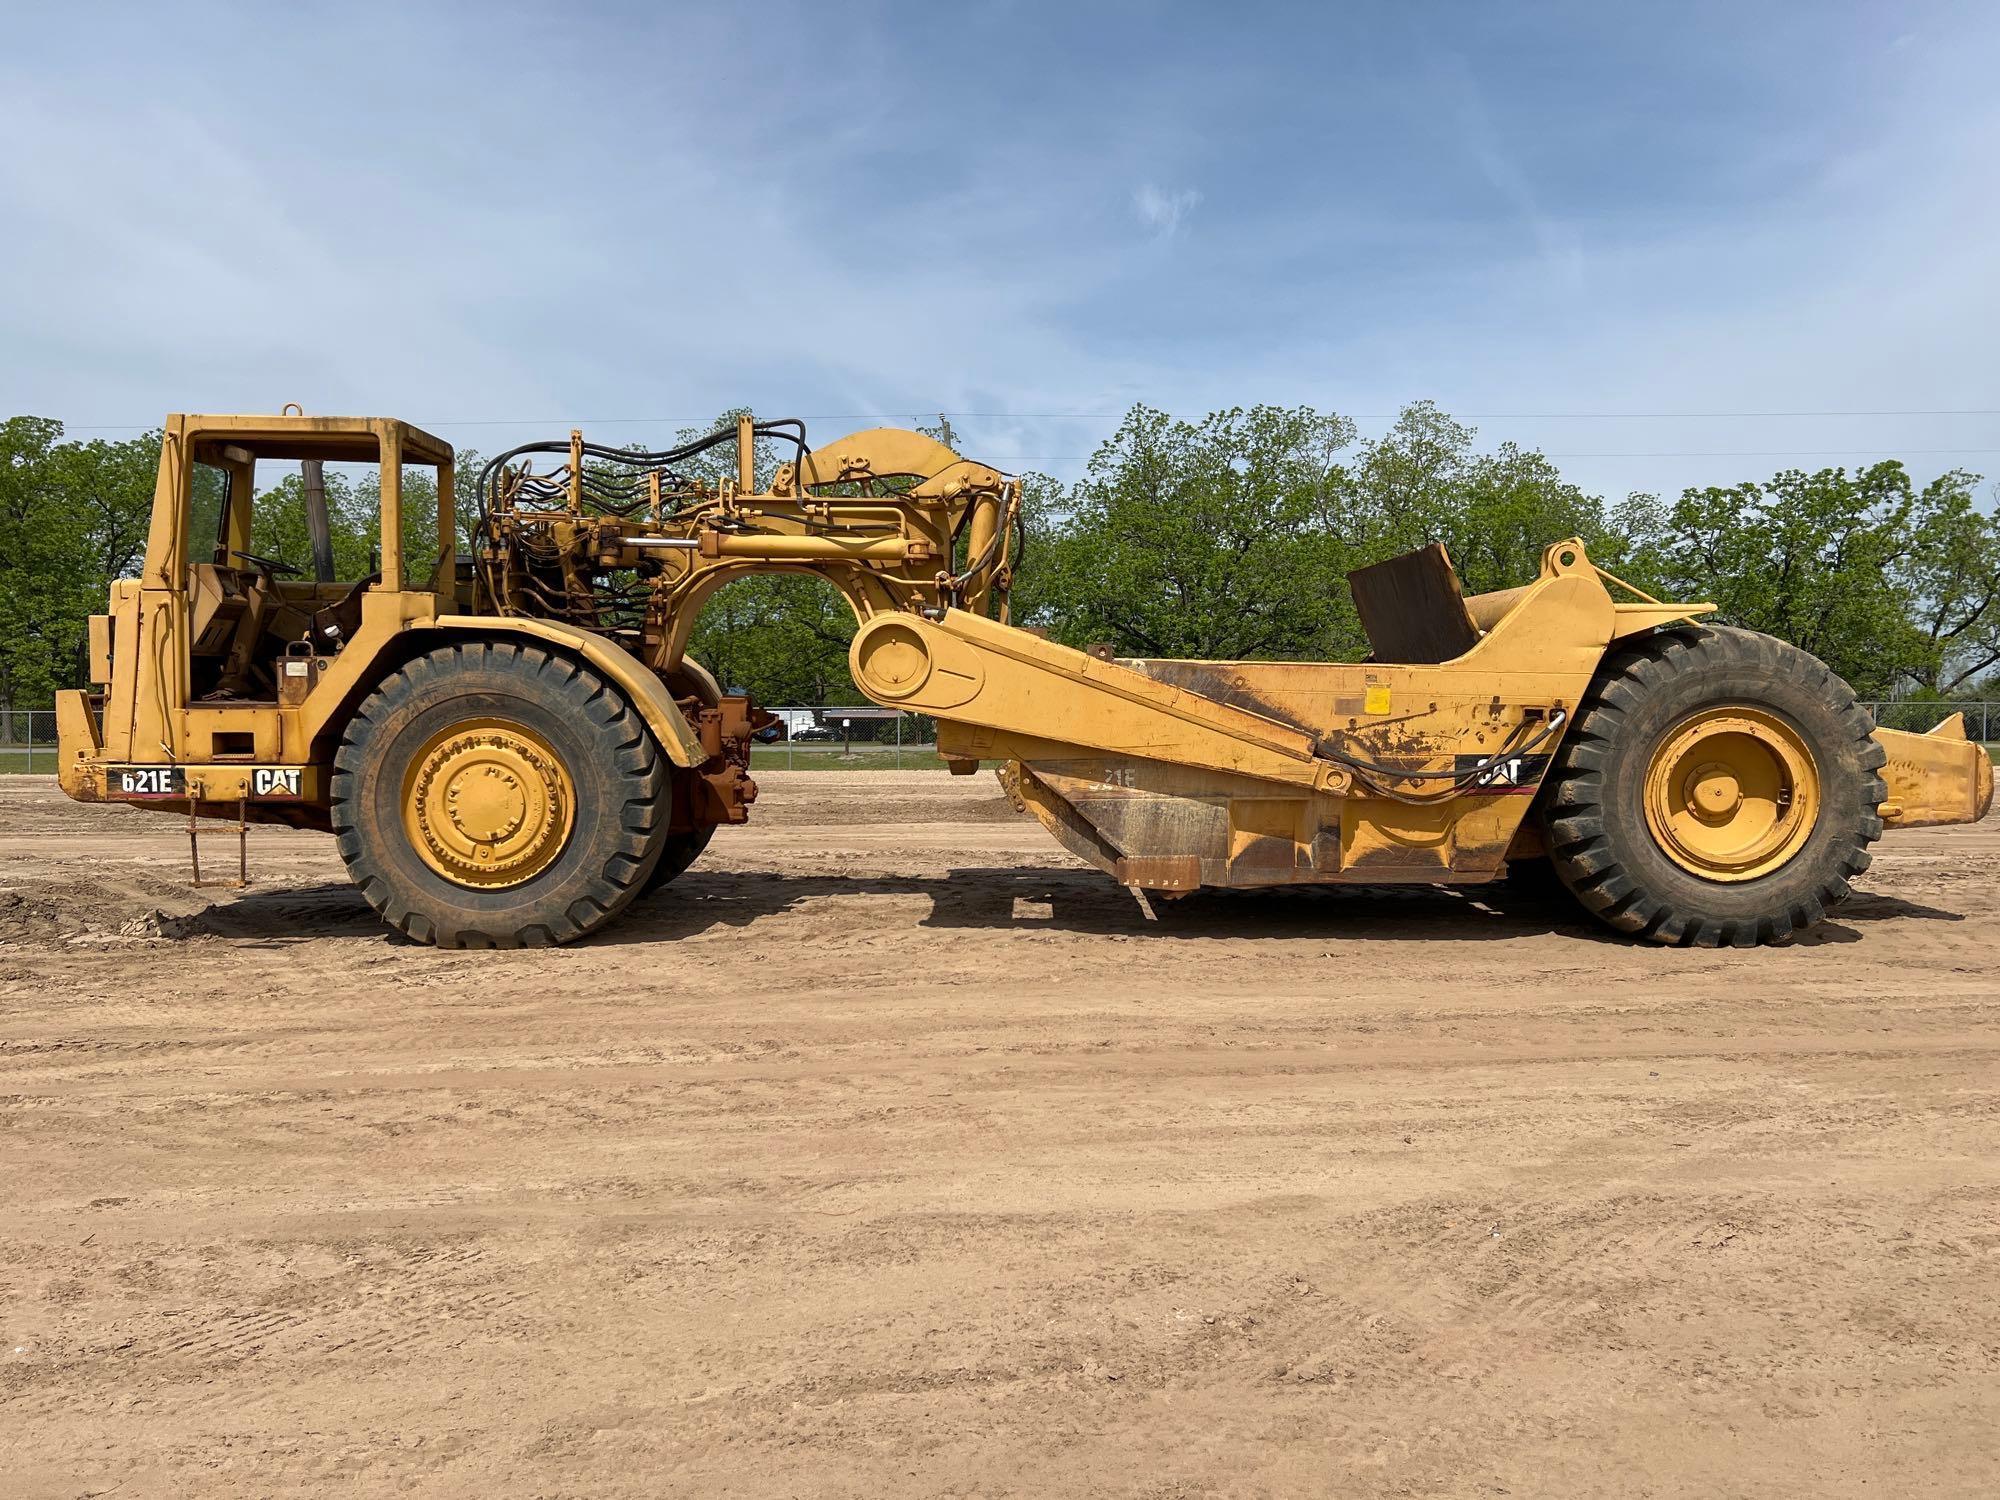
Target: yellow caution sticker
{"points": [[1377, 701]]}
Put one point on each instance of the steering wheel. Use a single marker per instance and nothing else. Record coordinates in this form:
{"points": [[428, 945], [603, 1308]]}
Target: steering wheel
{"points": [[270, 565]]}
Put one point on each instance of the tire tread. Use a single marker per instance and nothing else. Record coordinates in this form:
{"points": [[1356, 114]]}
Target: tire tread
{"points": [[1591, 845], [620, 865]]}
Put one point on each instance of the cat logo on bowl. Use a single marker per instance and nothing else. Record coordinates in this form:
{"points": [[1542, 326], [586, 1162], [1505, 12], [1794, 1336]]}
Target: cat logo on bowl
{"points": [[1509, 773]]}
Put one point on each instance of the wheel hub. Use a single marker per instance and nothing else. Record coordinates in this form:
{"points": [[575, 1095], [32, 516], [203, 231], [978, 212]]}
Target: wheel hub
{"points": [[1713, 792], [488, 804], [1732, 793]]}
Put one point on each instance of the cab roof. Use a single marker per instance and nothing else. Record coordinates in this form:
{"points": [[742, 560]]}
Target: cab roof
{"points": [[333, 438]]}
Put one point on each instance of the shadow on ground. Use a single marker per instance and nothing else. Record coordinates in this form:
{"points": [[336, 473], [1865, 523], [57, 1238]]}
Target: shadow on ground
{"points": [[1062, 900]]}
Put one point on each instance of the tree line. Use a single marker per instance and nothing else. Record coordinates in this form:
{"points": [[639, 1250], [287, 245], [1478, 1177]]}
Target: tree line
{"points": [[1231, 536], [1224, 537]]}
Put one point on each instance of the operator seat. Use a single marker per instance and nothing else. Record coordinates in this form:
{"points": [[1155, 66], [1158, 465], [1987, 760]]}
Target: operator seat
{"points": [[234, 611], [333, 625]]}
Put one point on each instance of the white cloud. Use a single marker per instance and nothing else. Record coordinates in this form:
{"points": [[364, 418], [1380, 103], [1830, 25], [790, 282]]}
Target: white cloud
{"points": [[1164, 212], [449, 256]]}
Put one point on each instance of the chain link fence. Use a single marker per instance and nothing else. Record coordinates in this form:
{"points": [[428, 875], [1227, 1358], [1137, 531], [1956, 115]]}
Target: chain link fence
{"points": [[1982, 720], [863, 737], [27, 742], [857, 737]]}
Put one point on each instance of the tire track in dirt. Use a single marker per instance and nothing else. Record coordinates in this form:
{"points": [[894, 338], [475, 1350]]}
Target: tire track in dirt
{"points": [[879, 1156]]}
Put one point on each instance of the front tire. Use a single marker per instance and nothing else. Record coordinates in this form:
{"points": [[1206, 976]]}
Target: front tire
{"points": [[681, 850], [492, 795], [1717, 787]]}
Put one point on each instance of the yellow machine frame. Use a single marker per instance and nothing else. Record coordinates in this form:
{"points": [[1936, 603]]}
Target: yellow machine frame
{"points": [[1166, 774], [275, 755]]}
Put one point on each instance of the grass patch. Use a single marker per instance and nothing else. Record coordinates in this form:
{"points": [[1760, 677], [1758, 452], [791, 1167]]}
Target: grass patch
{"points": [[817, 758]]}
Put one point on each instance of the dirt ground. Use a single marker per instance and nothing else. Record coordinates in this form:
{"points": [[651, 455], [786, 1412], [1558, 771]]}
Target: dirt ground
{"points": [[890, 1151]]}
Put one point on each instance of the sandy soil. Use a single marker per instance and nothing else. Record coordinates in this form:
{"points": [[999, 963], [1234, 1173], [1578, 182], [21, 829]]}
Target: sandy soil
{"points": [[890, 1152]]}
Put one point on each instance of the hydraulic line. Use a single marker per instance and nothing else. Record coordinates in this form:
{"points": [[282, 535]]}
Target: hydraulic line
{"points": [[626, 497], [973, 567], [546, 542], [1365, 771]]}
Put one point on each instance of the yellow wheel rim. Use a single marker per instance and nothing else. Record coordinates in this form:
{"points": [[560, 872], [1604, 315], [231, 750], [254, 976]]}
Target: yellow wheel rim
{"points": [[1732, 793], [488, 803]]}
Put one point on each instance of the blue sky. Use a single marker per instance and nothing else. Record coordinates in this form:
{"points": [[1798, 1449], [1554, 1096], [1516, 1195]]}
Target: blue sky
{"points": [[483, 215]]}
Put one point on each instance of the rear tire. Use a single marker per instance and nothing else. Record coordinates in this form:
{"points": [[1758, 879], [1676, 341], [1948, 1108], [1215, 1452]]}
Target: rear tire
{"points": [[491, 795], [1717, 787]]}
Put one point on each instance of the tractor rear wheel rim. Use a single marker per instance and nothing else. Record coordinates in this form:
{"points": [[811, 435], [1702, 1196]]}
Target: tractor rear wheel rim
{"points": [[1732, 793], [488, 804]]}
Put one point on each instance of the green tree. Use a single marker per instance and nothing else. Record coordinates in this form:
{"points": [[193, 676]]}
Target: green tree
{"points": [[1223, 537], [1423, 482], [1231, 536], [108, 489], [73, 516], [1952, 575], [1198, 539], [278, 521], [1823, 560], [781, 637], [33, 566], [354, 516]]}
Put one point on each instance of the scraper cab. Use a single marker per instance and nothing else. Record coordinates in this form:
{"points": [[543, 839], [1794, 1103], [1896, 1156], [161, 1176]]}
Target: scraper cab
{"points": [[512, 745]]}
